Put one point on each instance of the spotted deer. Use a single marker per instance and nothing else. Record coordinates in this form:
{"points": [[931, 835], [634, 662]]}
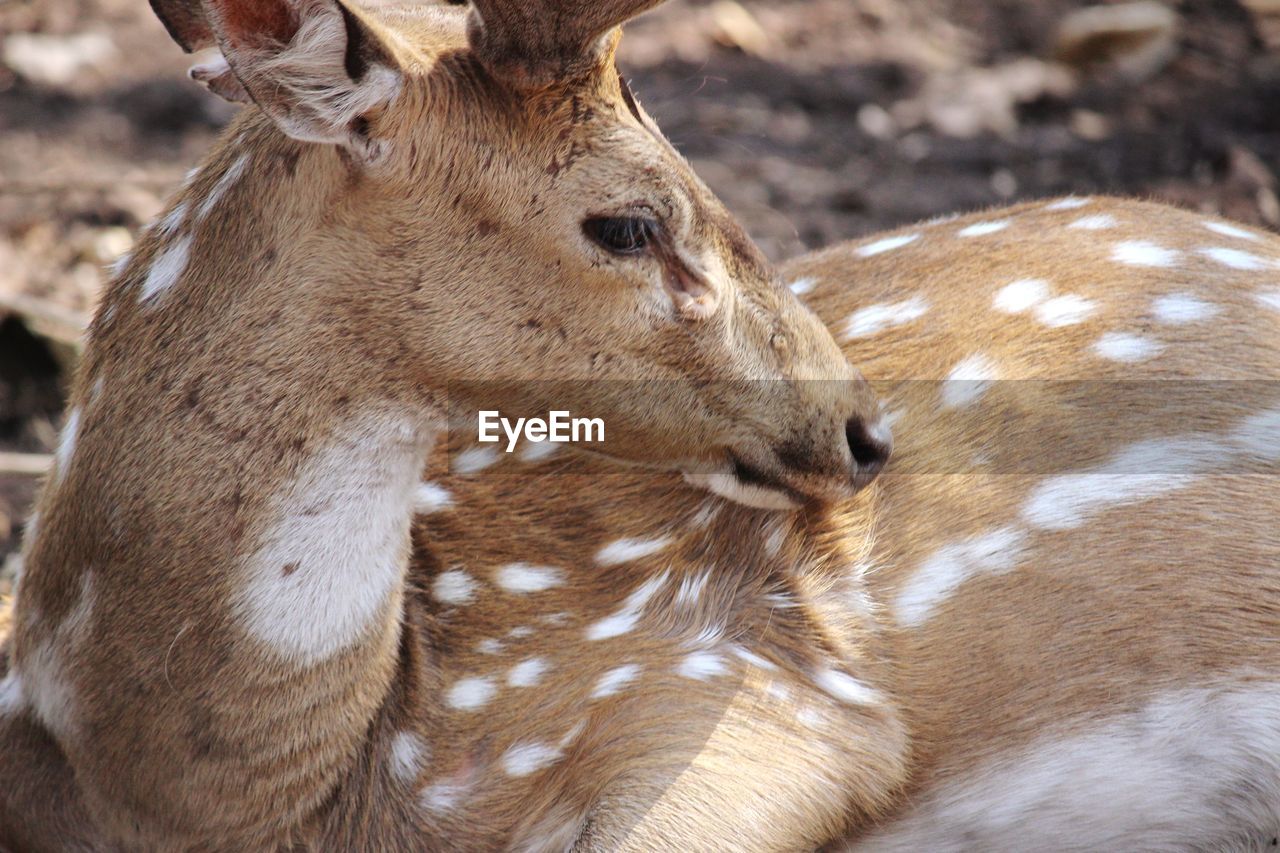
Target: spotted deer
{"points": [[424, 205]]}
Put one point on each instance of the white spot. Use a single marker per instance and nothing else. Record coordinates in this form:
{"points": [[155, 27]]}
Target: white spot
{"points": [[981, 229], [801, 286], [1143, 253], [753, 659], [523, 578], [1258, 435], [709, 635], [537, 451], [468, 694], [558, 618], [1269, 299], [811, 717], [11, 698], [530, 757], [615, 679], [1227, 230], [1068, 203], [520, 632], [1020, 295], [442, 796], [190, 177], [407, 755], [1138, 472], [332, 544], [573, 734], [888, 244], [627, 550], [779, 691], [876, 318], [1121, 346], [453, 587], [67, 443], [1235, 259], [474, 460], [1191, 769], [527, 673], [489, 646], [691, 587], [172, 221], [167, 269], [1097, 222], [431, 497], [943, 572], [968, 381], [1176, 309], [624, 619], [120, 264], [224, 183], [774, 540], [1065, 310], [702, 665], [705, 514]]}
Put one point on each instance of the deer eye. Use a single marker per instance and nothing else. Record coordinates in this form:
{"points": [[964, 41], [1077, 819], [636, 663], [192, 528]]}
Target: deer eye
{"points": [[622, 235]]}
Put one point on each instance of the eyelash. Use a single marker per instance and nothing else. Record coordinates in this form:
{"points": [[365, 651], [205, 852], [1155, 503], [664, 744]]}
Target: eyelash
{"points": [[621, 235]]}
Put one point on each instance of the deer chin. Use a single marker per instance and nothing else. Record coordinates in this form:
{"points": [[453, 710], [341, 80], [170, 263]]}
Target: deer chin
{"points": [[728, 485]]}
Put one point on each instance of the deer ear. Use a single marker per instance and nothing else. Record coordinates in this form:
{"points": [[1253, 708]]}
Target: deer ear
{"points": [[314, 66]]}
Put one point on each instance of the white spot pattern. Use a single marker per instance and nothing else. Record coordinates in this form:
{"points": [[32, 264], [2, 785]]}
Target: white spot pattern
{"points": [[1068, 203], [968, 381], [521, 578], [1018, 296], [1121, 346], [228, 179], [876, 318], [701, 666], [1177, 309], [801, 286], [522, 759], [1065, 310], [527, 673], [626, 550], [981, 229], [474, 460], [167, 269], [67, 443], [888, 244], [1269, 299], [625, 618], [453, 587], [1228, 230], [468, 694], [431, 497], [407, 755], [942, 573], [11, 698], [1144, 253], [615, 679], [1235, 258], [1097, 222]]}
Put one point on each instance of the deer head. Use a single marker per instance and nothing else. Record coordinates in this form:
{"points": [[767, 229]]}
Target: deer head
{"points": [[507, 215]]}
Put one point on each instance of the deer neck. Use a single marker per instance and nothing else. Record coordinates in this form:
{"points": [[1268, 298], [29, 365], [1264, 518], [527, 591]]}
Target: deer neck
{"points": [[227, 524]]}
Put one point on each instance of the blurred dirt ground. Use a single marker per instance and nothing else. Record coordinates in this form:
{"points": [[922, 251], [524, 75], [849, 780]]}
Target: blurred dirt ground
{"points": [[815, 120]]}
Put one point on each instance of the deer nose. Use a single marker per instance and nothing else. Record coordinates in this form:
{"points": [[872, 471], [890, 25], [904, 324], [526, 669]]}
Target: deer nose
{"points": [[870, 444]]}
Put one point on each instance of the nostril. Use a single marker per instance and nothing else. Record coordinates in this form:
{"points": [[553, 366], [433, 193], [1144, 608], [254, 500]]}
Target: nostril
{"points": [[870, 445]]}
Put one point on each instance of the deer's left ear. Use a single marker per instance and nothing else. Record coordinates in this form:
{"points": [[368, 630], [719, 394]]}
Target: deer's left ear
{"points": [[314, 66]]}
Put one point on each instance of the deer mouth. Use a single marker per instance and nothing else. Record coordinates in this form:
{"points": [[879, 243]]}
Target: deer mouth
{"points": [[747, 484]]}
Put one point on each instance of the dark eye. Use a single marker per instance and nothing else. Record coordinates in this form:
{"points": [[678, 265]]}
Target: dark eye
{"points": [[622, 235]]}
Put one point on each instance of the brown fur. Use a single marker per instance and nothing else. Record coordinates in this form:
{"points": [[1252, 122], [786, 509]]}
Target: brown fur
{"points": [[197, 738]]}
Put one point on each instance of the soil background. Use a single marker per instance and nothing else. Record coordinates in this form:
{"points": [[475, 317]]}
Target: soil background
{"points": [[816, 121]]}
